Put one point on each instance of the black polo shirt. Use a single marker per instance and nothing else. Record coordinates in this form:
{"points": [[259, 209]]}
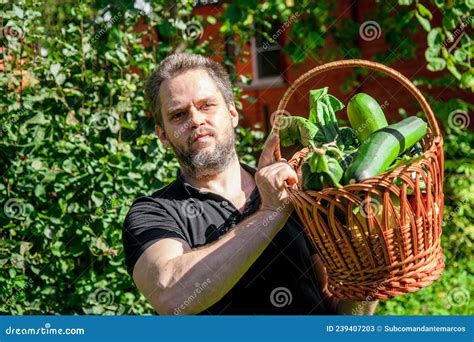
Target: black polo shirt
{"points": [[281, 280]]}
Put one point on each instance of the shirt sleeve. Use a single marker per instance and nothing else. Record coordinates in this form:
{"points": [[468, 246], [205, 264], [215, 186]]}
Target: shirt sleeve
{"points": [[146, 222]]}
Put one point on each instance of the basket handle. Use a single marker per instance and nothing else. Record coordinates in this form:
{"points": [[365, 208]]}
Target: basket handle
{"points": [[349, 63]]}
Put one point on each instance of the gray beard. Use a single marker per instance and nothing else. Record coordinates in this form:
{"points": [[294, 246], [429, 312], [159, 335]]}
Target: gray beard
{"points": [[202, 164]]}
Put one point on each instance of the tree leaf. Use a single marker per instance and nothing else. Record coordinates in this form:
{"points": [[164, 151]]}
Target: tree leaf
{"points": [[39, 190], [97, 198], [467, 80], [424, 22], [211, 20], [452, 68], [436, 64], [60, 78], [460, 55], [424, 11], [54, 68], [435, 38]]}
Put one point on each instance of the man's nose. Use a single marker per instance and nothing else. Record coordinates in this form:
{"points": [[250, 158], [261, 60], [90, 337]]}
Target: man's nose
{"points": [[196, 117]]}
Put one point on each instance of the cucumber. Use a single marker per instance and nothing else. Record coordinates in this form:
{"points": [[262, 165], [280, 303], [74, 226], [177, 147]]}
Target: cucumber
{"points": [[382, 147], [365, 115]]}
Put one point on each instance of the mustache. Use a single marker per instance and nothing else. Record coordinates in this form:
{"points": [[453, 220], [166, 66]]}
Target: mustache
{"points": [[194, 134]]}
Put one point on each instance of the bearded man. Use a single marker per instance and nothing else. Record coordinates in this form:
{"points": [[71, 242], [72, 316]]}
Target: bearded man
{"points": [[223, 237]]}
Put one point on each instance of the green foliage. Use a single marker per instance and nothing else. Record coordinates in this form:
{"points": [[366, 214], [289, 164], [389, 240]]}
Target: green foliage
{"points": [[396, 22], [77, 145]]}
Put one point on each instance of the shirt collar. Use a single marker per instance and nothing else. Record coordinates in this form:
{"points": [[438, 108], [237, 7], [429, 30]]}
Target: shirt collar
{"points": [[193, 190]]}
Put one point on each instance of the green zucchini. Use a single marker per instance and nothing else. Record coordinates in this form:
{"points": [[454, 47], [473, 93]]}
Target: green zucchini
{"points": [[381, 148], [365, 115]]}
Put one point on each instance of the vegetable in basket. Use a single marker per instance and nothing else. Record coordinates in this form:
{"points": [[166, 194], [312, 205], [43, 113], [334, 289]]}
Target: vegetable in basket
{"points": [[297, 129], [382, 148], [330, 145], [335, 157], [321, 169], [365, 115]]}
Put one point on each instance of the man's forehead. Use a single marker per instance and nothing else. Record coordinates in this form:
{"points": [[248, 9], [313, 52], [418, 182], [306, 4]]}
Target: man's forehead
{"points": [[193, 84]]}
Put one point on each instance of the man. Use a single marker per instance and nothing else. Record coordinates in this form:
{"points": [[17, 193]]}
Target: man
{"points": [[223, 237]]}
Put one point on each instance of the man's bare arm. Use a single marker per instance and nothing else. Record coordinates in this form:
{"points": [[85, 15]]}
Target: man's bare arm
{"points": [[170, 282], [167, 272]]}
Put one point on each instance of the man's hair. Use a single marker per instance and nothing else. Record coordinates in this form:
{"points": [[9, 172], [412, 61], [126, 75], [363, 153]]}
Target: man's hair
{"points": [[177, 64]]}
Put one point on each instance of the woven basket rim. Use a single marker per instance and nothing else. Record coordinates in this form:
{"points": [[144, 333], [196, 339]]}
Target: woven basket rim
{"points": [[351, 63]]}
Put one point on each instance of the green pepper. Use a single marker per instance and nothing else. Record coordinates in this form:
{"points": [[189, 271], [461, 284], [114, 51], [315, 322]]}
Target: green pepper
{"points": [[320, 171]]}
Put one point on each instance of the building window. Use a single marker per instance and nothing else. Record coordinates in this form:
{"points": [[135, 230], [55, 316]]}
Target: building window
{"points": [[266, 60], [204, 2]]}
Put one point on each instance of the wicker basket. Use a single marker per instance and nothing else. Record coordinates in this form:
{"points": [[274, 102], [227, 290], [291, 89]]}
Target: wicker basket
{"points": [[375, 240]]}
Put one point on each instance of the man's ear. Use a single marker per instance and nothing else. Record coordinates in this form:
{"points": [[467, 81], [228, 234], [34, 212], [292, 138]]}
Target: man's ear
{"points": [[160, 132], [234, 115]]}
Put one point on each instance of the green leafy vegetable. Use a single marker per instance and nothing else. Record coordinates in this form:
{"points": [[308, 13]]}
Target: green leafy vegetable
{"points": [[322, 108], [346, 139], [296, 128]]}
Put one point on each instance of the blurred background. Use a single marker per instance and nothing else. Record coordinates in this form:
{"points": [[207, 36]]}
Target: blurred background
{"points": [[77, 143]]}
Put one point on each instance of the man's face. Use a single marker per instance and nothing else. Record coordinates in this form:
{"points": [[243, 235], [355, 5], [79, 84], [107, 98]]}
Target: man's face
{"points": [[197, 123]]}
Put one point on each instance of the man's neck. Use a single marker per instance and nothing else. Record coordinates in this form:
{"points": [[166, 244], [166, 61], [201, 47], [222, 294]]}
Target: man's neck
{"points": [[224, 183]]}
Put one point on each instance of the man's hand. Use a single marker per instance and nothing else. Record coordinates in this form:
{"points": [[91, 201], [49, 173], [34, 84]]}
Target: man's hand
{"points": [[273, 177]]}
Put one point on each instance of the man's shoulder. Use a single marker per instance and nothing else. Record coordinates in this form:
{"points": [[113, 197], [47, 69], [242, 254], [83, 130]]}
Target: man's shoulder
{"points": [[173, 190], [165, 196]]}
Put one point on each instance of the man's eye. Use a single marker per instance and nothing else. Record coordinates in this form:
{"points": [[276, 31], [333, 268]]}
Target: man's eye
{"points": [[176, 116], [206, 106]]}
